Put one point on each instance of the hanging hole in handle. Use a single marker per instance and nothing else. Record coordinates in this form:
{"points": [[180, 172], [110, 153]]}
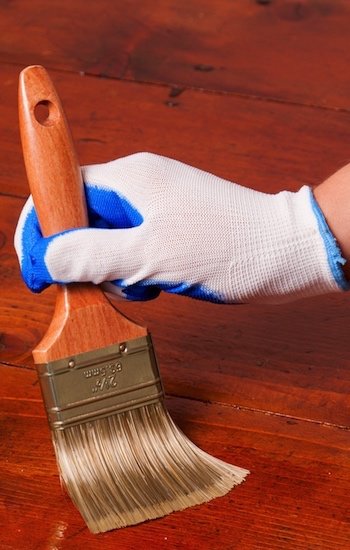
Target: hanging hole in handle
{"points": [[44, 112]]}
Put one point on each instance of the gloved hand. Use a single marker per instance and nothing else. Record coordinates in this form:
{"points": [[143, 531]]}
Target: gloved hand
{"points": [[158, 224]]}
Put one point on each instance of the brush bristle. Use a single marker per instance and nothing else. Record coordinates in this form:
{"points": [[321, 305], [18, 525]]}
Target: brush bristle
{"points": [[136, 466]]}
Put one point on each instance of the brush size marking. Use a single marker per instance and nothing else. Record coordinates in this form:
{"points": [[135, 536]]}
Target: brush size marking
{"points": [[105, 377]]}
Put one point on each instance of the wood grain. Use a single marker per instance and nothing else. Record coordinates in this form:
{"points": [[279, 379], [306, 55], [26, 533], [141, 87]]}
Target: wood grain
{"points": [[262, 387], [52, 166], [290, 50], [268, 146]]}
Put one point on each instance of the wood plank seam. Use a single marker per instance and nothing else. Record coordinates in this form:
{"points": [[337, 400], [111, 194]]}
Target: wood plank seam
{"points": [[265, 412]]}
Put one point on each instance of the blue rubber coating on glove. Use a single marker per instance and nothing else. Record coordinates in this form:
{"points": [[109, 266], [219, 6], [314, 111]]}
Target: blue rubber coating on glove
{"points": [[150, 289], [34, 246], [107, 210]]}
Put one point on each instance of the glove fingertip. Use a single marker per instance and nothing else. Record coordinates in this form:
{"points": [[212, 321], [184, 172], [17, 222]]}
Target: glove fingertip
{"points": [[37, 288], [136, 292], [141, 293]]}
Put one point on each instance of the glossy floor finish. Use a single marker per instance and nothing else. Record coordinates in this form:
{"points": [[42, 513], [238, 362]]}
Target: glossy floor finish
{"points": [[254, 91]]}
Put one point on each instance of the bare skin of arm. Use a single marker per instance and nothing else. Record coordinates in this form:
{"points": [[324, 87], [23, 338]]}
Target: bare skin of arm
{"points": [[333, 198]]}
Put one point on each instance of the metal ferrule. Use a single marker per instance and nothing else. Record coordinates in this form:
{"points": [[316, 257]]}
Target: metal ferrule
{"points": [[99, 383]]}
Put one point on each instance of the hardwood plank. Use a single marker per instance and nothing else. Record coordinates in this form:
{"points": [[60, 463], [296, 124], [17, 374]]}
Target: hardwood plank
{"points": [[288, 50], [262, 387], [267, 146], [270, 51], [291, 359], [296, 496]]}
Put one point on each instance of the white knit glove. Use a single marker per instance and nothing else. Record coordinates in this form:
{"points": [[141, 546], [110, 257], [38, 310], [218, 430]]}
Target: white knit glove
{"points": [[163, 225]]}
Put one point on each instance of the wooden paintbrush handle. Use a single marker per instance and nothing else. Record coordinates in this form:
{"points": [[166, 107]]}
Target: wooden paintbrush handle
{"points": [[52, 167], [83, 319]]}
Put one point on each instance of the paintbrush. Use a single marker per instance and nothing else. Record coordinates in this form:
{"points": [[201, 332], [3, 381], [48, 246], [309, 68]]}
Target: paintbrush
{"points": [[120, 456]]}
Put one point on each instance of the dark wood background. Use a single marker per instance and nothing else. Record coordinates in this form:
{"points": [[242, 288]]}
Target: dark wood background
{"points": [[254, 91]]}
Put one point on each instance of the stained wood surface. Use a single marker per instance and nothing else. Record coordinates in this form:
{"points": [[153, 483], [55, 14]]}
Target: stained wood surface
{"points": [[266, 388], [302, 458], [269, 146], [295, 50]]}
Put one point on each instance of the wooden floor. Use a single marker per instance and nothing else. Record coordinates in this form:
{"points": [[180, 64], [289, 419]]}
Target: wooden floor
{"points": [[254, 91]]}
